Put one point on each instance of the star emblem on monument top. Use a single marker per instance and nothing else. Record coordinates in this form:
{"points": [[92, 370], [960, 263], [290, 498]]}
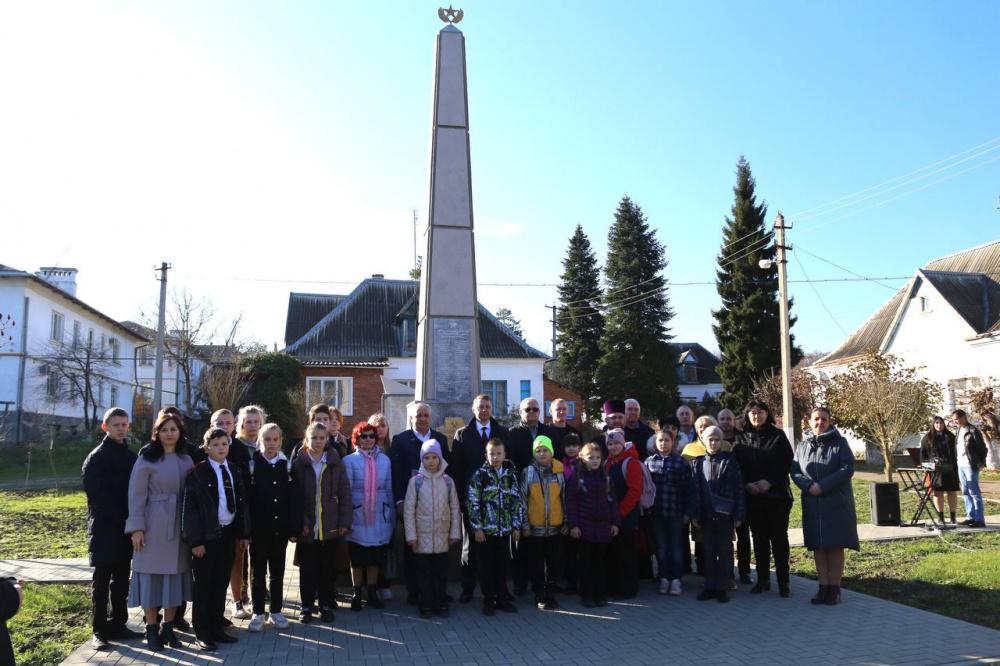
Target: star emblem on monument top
{"points": [[450, 15]]}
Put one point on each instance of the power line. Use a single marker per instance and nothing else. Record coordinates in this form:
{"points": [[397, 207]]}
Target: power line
{"points": [[798, 246], [816, 291], [811, 212]]}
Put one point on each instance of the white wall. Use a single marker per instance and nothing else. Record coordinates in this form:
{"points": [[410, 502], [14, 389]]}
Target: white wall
{"points": [[501, 369], [43, 303], [697, 391]]}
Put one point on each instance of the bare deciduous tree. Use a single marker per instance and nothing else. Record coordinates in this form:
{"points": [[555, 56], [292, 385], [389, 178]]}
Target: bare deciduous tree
{"points": [[224, 384], [985, 405], [192, 322], [74, 371], [882, 401], [805, 391]]}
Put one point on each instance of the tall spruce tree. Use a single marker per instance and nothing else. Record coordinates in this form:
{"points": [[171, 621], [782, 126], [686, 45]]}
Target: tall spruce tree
{"points": [[636, 357], [579, 322], [747, 325]]}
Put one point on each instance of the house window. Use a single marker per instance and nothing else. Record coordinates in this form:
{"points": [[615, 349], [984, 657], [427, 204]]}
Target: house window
{"points": [[691, 374], [497, 390], [145, 355], [77, 334], [114, 396], [925, 304], [115, 351], [525, 388], [56, 334], [409, 336], [99, 394], [570, 408], [334, 391], [52, 385]]}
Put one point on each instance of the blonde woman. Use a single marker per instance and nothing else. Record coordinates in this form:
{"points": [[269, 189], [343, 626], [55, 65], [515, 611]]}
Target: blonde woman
{"points": [[249, 421]]}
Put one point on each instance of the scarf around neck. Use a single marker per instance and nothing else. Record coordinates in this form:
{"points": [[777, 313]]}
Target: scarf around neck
{"points": [[371, 484]]}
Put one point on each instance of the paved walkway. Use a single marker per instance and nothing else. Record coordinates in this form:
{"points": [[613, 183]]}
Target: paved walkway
{"points": [[651, 629]]}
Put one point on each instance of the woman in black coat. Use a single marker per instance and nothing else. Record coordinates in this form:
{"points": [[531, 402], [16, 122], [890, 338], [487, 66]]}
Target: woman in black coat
{"points": [[765, 456], [938, 446], [11, 597]]}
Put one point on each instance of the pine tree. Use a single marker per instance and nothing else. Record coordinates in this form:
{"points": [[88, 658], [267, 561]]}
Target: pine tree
{"points": [[747, 325], [507, 318], [636, 358], [579, 322]]}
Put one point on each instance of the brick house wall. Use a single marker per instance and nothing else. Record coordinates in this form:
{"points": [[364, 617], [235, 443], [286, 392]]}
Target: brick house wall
{"points": [[366, 394], [555, 390]]}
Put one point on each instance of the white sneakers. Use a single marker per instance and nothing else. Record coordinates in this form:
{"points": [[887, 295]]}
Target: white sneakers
{"points": [[239, 612], [675, 588], [276, 620], [665, 586]]}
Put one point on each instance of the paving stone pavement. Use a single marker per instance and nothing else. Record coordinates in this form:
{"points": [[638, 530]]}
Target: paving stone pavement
{"points": [[652, 629]]}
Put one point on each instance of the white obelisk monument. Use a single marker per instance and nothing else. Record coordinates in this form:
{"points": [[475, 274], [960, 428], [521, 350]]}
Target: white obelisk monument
{"points": [[447, 324]]}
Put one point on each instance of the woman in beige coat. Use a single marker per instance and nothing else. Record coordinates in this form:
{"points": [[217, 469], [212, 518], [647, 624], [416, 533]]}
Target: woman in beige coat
{"points": [[433, 524], [161, 562]]}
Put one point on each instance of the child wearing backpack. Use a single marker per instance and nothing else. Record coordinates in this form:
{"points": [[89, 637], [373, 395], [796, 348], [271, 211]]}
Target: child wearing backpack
{"points": [[593, 520], [542, 487], [571, 447], [432, 524], [627, 484], [671, 474]]}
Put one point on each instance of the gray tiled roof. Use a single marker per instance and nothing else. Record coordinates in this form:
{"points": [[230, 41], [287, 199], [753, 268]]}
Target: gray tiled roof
{"points": [[364, 326], [968, 280], [706, 362]]}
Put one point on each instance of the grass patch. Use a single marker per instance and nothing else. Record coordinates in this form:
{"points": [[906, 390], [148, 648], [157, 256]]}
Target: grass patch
{"points": [[862, 504], [35, 461], [50, 523], [932, 574], [52, 622]]}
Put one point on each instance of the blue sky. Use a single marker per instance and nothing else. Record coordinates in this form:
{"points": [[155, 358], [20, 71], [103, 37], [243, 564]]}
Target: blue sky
{"points": [[252, 144]]}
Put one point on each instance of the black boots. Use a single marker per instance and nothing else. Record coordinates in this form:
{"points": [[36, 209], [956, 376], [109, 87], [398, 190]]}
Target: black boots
{"points": [[820, 597], [832, 595], [167, 636], [374, 600], [356, 601], [153, 641]]}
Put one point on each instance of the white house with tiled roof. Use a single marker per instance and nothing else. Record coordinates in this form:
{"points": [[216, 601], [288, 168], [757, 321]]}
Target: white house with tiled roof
{"points": [[44, 349], [944, 321], [359, 348]]}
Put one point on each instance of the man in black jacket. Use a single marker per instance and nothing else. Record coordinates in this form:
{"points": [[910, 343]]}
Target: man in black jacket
{"points": [[214, 522], [106, 473], [636, 431], [468, 453], [404, 453], [970, 448]]}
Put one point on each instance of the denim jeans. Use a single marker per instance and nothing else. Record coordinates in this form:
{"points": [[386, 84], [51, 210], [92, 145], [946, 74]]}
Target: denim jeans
{"points": [[669, 546], [970, 493]]}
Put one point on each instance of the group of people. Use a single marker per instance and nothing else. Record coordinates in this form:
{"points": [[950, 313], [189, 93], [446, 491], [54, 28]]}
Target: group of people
{"points": [[534, 503]]}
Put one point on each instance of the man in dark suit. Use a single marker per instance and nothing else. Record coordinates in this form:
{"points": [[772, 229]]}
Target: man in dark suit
{"points": [[404, 453], [468, 453]]}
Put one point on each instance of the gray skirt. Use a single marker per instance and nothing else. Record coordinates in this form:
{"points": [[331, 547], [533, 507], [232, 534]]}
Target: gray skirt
{"points": [[159, 590]]}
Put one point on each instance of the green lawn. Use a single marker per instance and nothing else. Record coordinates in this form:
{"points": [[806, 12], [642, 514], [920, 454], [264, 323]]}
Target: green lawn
{"points": [[862, 504], [957, 576], [50, 523], [36, 462], [52, 622]]}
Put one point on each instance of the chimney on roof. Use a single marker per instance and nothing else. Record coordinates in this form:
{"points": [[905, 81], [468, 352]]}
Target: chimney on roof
{"points": [[378, 276], [61, 278]]}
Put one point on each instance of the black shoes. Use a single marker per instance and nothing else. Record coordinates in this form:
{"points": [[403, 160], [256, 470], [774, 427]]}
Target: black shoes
{"points": [[820, 597], [465, 597], [206, 645], [122, 632], [722, 597], [153, 641], [426, 614], [356, 600], [326, 615], [442, 612], [181, 623], [374, 600], [167, 636], [306, 615], [761, 586], [745, 579], [546, 603], [832, 595], [489, 609], [506, 606], [707, 595], [784, 590], [589, 603], [222, 637]]}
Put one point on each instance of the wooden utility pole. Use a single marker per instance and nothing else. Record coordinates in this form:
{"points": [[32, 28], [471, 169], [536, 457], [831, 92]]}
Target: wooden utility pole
{"points": [[161, 324], [554, 312], [788, 415]]}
